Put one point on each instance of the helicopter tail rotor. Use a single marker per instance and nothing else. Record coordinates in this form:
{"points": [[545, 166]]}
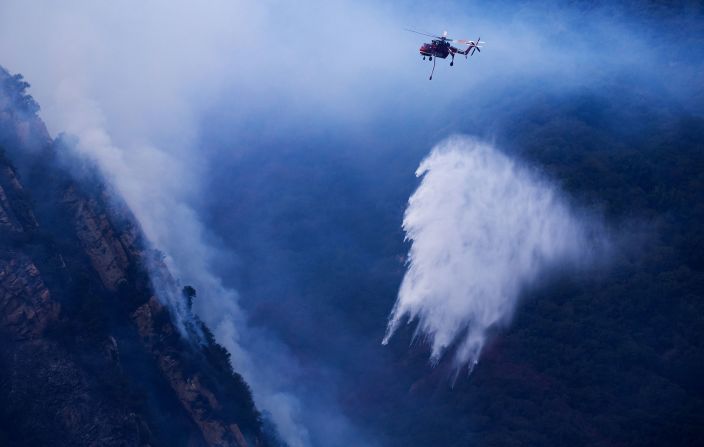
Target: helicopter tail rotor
{"points": [[476, 46]]}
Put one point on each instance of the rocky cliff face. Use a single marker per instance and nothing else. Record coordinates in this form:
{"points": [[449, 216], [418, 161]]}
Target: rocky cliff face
{"points": [[88, 354]]}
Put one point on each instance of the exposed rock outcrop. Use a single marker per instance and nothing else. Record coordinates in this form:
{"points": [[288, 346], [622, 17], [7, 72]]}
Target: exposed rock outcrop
{"points": [[26, 307], [200, 401], [93, 228]]}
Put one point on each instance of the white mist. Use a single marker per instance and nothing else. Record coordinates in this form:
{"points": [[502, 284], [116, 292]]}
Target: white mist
{"points": [[482, 228]]}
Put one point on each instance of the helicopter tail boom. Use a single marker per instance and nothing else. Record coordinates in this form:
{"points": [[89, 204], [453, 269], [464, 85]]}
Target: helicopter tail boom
{"points": [[472, 46]]}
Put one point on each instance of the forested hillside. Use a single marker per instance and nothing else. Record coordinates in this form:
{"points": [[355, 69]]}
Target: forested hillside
{"points": [[89, 354]]}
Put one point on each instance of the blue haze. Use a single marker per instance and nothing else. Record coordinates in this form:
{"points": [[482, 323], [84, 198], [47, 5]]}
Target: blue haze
{"points": [[280, 143]]}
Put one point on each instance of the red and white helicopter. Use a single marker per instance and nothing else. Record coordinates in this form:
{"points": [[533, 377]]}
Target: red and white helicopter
{"points": [[440, 48]]}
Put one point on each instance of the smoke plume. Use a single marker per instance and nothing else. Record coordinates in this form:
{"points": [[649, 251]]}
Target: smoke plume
{"points": [[482, 228]]}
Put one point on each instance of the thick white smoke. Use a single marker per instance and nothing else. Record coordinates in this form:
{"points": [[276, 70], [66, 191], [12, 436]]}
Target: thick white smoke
{"points": [[482, 228], [122, 79]]}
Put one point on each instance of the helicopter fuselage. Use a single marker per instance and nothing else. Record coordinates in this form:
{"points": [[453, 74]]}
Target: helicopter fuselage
{"points": [[437, 48]]}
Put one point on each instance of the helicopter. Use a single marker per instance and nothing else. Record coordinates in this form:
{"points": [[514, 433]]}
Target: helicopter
{"points": [[440, 48]]}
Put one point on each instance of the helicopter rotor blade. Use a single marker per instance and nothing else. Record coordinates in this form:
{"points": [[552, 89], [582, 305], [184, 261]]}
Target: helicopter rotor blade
{"points": [[424, 34]]}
